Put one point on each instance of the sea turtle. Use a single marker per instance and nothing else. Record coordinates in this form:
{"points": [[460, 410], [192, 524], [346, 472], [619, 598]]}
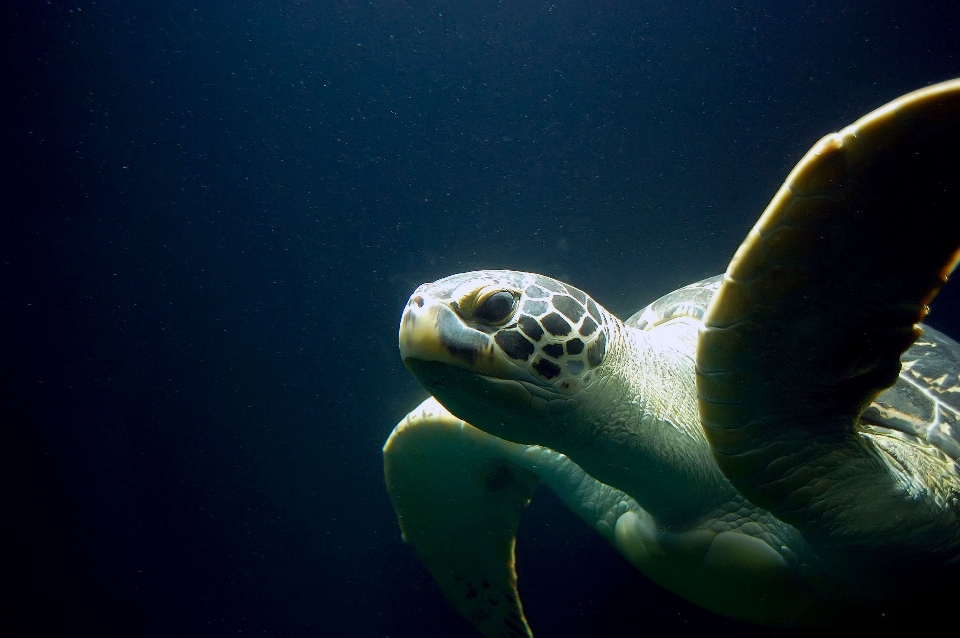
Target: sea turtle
{"points": [[778, 444]]}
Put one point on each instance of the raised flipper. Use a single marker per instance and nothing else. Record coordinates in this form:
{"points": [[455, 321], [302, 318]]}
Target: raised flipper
{"points": [[808, 326]]}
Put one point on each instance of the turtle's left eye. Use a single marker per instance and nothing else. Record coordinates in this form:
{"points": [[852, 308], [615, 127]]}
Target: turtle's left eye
{"points": [[496, 308]]}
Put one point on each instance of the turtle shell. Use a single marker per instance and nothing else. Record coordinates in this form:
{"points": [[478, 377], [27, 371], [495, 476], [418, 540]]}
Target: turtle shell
{"points": [[922, 407], [924, 403], [689, 301]]}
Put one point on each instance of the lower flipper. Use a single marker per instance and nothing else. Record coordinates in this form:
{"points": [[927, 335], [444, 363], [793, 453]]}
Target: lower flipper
{"points": [[458, 500]]}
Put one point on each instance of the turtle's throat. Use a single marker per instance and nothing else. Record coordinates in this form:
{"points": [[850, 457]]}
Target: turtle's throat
{"points": [[641, 432]]}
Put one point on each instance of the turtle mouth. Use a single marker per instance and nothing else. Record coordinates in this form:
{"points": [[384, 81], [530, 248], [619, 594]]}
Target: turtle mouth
{"points": [[469, 394], [445, 377], [434, 375]]}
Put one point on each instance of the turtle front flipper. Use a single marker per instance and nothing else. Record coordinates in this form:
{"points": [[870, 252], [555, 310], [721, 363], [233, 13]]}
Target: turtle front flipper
{"points": [[458, 500], [807, 328]]}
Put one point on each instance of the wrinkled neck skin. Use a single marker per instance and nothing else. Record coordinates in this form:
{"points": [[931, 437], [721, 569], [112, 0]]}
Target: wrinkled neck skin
{"points": [[639, 429]]}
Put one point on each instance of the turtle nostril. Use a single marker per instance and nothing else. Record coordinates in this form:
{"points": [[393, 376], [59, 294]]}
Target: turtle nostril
{"points": [[417, 300]]}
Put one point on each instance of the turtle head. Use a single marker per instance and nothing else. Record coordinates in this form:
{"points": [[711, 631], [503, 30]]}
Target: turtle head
{"points": [[505, 350]]}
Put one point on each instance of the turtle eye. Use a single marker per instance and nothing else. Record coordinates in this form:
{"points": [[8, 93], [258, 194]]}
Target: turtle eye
{"points": [[496, 308]]}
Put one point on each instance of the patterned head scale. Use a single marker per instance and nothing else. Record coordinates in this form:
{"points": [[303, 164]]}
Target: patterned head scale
{"points": [[512, 325]]}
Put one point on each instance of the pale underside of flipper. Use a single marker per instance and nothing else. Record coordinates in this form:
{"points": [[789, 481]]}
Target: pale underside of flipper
{"points": [[813, 314], [458, 501]]}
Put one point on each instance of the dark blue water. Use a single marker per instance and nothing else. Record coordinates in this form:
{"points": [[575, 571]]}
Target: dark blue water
{"points": [[214, 211]]}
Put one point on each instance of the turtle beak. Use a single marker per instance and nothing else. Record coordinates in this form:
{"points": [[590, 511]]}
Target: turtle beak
{"points": [[419, 329], [431, 331]]}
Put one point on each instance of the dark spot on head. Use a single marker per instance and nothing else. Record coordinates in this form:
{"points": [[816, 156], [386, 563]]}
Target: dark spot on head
{"points": [[471, 591], [514, 344], [418, 300], [554, 350], [550, 285], [574, 346], [576, 294], [588, 328], [530, 327], [594, 311], [597, 350], [485, 584], [535, 307], [569, 307], [536, 293], [497, 479], [546, 369], [556, 325]]}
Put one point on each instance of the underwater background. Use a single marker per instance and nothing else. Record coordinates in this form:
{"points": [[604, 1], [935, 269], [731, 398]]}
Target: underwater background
{"points": [[213, 213]]}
